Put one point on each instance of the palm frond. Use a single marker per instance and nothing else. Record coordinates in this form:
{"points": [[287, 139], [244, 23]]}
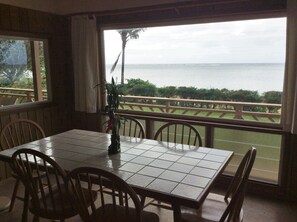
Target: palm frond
{"points": [[134, 33], [115, 63]]}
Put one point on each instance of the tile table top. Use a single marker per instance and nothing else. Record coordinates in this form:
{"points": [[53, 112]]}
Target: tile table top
{"points": [[168, 171]]}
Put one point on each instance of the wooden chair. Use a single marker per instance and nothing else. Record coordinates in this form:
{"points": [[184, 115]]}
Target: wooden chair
{"points": [[179, 132], [109, 208], [16, 133], [52, 201], [229, 207], [130, 127]]}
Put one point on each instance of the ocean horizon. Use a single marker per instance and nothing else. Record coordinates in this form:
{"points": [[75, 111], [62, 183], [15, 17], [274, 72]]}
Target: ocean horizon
{"points": [[261, 77]]}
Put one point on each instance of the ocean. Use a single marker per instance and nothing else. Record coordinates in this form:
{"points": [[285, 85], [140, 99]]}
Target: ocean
{"points": [[259, 77]]}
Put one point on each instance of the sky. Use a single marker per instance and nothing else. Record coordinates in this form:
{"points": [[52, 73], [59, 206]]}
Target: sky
{"points": [[250, 41]]}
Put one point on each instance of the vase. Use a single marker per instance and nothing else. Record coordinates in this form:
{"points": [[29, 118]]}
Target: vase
{"points": [[115, 146]]}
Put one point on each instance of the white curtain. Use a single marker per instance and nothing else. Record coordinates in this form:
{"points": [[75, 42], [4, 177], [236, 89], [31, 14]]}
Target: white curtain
{"points": [[290, 83], [85, 63]]}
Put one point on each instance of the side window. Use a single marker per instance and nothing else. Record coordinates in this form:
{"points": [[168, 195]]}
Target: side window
{"points": [[23, 70]]}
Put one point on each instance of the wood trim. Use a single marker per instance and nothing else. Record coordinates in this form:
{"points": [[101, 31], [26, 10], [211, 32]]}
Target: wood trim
{"points": [[288, 166], [102, 75], [36, 70], [190, 12], [177, 5], [204, 121], [24, 35], [47, 69], [209, 136], [254, 187], [149, 130], [157, 7], [25, 107], [203, 101]]}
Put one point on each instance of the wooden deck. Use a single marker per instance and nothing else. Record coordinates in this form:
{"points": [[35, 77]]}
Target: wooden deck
{"points": [[256, 209]]}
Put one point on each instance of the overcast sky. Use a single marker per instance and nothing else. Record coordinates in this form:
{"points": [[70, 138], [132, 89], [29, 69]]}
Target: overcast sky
{"points": [[252, 41]]}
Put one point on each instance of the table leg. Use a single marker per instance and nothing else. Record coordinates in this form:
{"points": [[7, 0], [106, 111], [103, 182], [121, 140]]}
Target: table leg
{"points": [[25, 208], [176, 212]]}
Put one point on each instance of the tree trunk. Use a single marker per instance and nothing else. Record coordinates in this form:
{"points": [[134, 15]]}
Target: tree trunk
{"points": [[123, 63]]}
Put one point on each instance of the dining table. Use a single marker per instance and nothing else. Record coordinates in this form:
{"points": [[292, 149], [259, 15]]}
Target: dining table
{"points": [[178, 174]]}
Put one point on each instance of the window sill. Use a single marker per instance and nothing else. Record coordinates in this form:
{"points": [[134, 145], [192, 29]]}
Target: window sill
{"points": [[25, 106]]}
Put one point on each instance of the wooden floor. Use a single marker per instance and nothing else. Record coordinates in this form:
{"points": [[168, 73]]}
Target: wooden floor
{"points": [[256, 209]]}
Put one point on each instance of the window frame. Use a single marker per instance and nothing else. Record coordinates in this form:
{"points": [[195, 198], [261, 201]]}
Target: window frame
{"points": [[125, 25], [116, 20], [33, 38]]}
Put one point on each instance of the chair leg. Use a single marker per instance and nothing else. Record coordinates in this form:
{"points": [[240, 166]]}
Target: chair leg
{"points": [[25, 207], [142, 201], [15, 190], [121, 201]]}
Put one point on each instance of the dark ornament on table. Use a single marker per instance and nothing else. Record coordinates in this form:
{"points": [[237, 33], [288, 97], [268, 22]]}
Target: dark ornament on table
{"points": [[115, 146], [114, 121]]}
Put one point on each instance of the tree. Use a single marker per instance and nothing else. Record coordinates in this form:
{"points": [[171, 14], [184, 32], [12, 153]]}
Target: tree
{"points": [[245, 96], [126, 35], [139, 87], [186, 92], [4, 47], [13, 61], [167, 91], [273, 97]]}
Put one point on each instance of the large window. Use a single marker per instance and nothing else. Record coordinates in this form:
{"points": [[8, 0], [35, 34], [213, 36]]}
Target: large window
{"points": [[23, 70], [228, 70]]}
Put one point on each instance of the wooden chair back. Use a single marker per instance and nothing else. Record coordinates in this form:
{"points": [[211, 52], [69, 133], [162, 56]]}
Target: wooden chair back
{"points": [[130, 127], [115, 207], [19, 132], [179, 132], [238, 187], [36, 169]]}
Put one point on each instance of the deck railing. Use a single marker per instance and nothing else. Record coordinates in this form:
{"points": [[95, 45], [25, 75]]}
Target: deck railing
{"points": [[207, 108], [11, 96], [262, 112]]}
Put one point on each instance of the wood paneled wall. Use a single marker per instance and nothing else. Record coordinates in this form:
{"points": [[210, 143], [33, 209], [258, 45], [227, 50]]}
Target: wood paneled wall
{"points": [[54, 116], [58, 115]]}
